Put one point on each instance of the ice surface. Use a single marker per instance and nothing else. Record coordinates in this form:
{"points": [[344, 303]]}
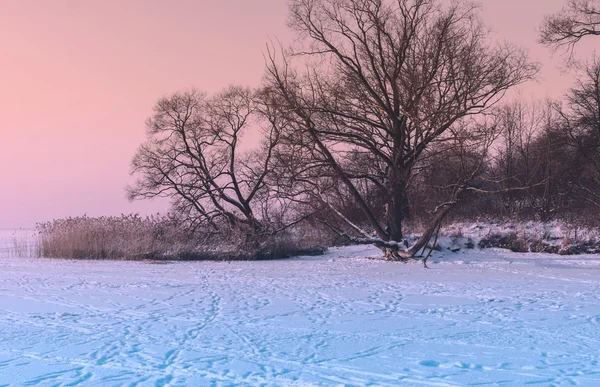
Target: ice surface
{"points": [[474, 318], [18, 242]]}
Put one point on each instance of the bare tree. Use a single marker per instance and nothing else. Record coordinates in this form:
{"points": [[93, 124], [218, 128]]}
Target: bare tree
{"points": [[581, 119], [192, 154], [578, 19], [584, 100], [530, 155], [454, 171], [385, 84], [581, 124]]}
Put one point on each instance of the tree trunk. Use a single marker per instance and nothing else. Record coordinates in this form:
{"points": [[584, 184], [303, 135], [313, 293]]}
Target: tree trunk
{"points": [[397, 211]]}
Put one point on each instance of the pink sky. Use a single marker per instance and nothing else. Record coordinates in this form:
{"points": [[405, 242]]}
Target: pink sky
{"points": [[78, 79]]}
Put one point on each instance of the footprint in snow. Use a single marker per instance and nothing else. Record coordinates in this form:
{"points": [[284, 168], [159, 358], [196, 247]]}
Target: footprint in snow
{"points": [[429, 363]]}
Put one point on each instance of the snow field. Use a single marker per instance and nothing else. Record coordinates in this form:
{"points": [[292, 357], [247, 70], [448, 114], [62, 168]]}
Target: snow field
{"points": [[475, 318]]}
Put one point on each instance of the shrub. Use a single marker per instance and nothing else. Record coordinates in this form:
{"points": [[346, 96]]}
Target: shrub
{"points": [[131, 237], [539, 246], [538, 237], [499, 240], [469, 244]]}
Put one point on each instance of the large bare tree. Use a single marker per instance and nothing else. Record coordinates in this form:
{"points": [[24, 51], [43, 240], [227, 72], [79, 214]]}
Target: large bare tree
{"points": [[377, 86], [193, 156]]}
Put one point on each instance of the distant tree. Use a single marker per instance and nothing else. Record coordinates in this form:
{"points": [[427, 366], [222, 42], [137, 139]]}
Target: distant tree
{"points": [[578, 19], [581, 123], [192, 155], [584, 101], [531, 153], [581, 116], [383, 87]]}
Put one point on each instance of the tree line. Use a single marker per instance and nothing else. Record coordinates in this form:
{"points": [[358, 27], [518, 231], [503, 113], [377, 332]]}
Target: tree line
{"points": [[383, 114]]}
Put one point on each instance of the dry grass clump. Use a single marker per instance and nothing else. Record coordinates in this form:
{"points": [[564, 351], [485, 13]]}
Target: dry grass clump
{"points": [[21, 243], [510, 240], [25, 246], [113, 237], [131, 237]]}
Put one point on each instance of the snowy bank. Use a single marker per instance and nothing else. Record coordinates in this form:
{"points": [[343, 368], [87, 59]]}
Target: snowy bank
{"points": [[491, 317]]}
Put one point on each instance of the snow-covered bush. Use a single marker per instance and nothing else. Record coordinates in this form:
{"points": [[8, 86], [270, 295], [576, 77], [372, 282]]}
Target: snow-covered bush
{"points": [[556, 237]]}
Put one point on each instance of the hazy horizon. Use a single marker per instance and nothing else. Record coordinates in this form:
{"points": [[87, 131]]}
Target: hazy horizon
{"points": [[80, 78]]}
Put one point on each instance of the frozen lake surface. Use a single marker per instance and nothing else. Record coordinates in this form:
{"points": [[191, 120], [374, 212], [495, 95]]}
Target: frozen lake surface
{"points": [[479, 318]]}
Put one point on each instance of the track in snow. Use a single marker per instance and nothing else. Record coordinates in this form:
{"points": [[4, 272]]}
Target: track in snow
{"points": [[492, 318]]}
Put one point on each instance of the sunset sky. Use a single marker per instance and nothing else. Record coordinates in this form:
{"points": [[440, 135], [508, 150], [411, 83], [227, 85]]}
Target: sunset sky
{"points": [[78, 78]]}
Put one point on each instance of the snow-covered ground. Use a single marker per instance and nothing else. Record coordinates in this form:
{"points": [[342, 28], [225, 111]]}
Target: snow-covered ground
{"points": [[474, 318]]}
